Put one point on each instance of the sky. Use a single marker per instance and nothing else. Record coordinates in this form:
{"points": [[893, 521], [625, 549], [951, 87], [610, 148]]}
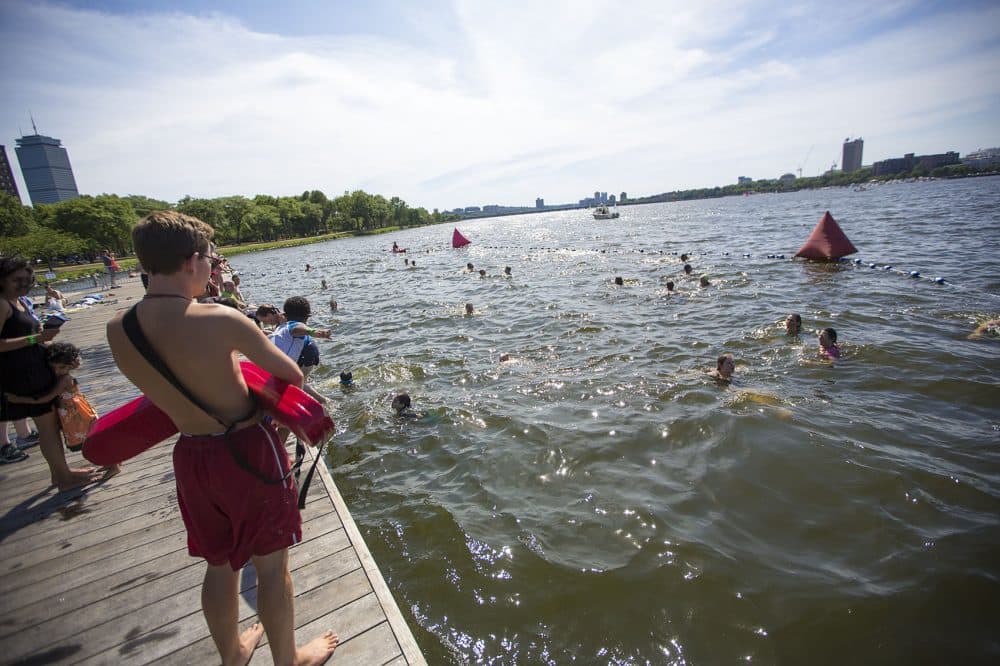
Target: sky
{"points": [[460, 103]]}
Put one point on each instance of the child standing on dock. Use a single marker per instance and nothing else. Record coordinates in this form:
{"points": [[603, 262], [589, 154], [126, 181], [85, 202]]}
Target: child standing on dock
{"points": [[233, 513]]}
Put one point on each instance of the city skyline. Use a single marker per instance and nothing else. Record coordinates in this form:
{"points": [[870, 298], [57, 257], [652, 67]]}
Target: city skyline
{"points": [[449, 104]]}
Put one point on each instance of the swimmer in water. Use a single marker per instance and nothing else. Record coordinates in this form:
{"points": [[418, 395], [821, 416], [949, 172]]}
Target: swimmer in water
{"points": [[828, 343], [793, 324], [670, 286], [687, 269], [401, 404], [469, 309], [322, 284], [725, 365], [990, 329], [684, 258], [482, 273], [506, 271], [703, 281], [619, 281], [346, 378], [469, 267], [333, 305]]}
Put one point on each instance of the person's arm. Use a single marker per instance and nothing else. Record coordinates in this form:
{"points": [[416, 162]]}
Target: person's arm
{"points": [[64, 384], [252, 343], [11, 344]]}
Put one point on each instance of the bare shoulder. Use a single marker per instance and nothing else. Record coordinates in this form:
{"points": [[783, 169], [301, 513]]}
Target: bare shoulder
{"points": [[114, 324]]}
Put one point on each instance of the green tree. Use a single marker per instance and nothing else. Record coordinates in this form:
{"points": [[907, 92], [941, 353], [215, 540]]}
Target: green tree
{"points": [[104, 221], [15, 219], [42, 243], [143, 205]]}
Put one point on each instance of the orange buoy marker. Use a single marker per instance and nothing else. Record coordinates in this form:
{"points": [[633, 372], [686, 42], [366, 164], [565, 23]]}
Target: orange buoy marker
{"points": [[458, 240], [827, 241]]}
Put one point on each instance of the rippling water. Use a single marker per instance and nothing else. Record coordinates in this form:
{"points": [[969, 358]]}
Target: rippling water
{"points": [[598, 499]]}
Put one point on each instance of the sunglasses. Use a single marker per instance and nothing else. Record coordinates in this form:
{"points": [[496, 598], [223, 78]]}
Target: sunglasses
{"points": [[214, 260]]}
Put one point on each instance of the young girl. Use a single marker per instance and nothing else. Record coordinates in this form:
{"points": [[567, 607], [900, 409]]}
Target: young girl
{"points": [[76, 416]]}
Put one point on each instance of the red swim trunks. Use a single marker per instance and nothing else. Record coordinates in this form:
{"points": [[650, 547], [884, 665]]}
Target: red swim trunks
{"points": [[229, 513]]}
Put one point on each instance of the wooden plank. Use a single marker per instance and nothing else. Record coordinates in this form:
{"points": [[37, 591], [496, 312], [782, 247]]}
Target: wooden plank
{"points": [[143, 644], [347, 622], [375, 646], [119, 605], [319, 538]]}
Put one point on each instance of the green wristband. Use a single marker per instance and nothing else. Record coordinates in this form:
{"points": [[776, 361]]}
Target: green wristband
{"points": [[32, 340]]}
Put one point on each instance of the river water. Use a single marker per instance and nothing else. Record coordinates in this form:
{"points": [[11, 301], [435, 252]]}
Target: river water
{"points": [[597, 498]]}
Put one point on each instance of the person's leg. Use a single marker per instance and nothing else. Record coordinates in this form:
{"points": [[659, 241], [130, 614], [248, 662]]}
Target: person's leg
{"points": [[22, 429], [220, 604], [25, 436], [275, 608], [50, 443]]}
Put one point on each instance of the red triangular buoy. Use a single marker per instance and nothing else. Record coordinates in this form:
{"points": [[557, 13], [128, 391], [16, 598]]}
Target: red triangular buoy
{"points": [[827, 241], [458, 240]]}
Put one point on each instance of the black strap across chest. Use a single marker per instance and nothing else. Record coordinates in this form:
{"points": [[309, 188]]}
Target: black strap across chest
{"points": [[130, 323]]}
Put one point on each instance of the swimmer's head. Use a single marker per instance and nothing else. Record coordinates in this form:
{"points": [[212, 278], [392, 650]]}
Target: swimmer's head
{"points": [[400, 402], [827, 337], [506, 270], [793, 323], [688, 269], [619, 281], [333, 304], [670, 285], [470, 267], [504, 358], [725, 365], [469, 309], [703, 281], [482, 273], [346, 378], [684, 257]]}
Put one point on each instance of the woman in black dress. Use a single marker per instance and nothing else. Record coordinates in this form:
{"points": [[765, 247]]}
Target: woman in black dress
{"points": [[24, 371]]}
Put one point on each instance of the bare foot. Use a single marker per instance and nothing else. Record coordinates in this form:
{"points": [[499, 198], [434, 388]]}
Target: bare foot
{"points": [[248, 643], [317, 651], [109, 471], [77, 478]]}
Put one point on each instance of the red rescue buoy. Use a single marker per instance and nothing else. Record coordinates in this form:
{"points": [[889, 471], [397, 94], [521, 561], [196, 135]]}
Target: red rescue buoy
{"points": [[827, 241], [138, 425]]}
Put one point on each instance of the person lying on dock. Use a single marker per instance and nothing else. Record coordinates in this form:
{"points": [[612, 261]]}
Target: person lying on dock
{"points": [[233, 513]]}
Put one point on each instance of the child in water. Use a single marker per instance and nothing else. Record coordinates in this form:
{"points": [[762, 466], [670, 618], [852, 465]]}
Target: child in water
{"points": [[401, 404], [828, 343]]}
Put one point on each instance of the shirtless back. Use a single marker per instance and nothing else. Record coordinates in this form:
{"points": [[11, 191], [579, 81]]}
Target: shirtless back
{"points": [[199, 343]]}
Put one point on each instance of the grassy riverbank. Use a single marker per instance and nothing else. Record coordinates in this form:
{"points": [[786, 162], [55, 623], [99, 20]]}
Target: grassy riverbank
{"points": [[129, 263]]}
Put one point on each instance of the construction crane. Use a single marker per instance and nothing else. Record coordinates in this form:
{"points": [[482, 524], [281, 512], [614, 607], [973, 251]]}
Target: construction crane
{"points": [[805, 159]]}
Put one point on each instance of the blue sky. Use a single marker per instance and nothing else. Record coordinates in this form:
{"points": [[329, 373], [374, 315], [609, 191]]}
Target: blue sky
{"points": [[459, 103]]}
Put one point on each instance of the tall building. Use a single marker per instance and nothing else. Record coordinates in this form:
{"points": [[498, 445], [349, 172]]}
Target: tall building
{"points": [[46, 169], [7, 182], [852, 155], [539, 203]]}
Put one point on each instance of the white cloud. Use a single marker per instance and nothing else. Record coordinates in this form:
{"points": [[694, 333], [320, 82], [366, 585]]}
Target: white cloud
{"points": [[532, 99]]}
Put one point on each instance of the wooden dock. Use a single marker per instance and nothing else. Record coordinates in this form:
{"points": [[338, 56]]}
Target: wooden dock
{"points": [[102, 575]]}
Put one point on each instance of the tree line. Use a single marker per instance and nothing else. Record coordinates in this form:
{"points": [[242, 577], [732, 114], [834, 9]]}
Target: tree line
{"points": [[829, 179], [80, 228]]}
